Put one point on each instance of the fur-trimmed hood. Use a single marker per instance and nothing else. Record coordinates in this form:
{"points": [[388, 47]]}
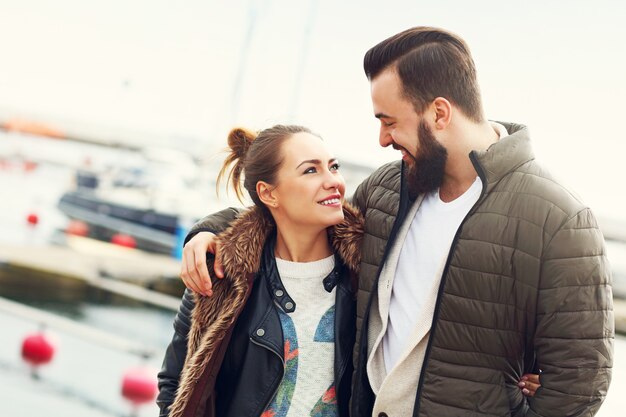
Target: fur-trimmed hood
{"points": [[241, 251]]}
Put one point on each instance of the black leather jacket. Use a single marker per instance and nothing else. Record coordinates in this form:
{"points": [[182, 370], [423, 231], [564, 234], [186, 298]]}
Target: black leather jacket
{"points": [[253, 368]]}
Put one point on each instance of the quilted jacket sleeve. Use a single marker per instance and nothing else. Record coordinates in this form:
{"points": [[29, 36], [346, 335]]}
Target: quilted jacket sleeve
{"points": [[575, 324], [175, 355], [214, 223]]}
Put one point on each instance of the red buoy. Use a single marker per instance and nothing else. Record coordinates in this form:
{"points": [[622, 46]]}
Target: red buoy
{"points": [[124, 240], [32, 219], [29, 166], [37, 349], [139, 385], [77, 228]]}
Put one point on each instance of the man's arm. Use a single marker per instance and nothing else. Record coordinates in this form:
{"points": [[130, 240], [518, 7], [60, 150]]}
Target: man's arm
{"points": [[214, 223], [575, 324], [199, 241]]}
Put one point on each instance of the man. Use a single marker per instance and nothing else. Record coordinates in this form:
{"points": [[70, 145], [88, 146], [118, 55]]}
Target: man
{"points": [[477, 266]]}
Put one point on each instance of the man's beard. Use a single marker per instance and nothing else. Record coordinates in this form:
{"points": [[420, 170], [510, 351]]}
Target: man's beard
{"points": [[426, 171]]}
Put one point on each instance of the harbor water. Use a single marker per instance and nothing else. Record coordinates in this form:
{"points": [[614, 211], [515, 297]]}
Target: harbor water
{"points": [[84, 378]]}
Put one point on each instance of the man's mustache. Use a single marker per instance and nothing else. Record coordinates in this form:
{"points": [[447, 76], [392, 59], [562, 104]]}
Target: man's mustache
{"points": [[397, 147], [402, 148]]}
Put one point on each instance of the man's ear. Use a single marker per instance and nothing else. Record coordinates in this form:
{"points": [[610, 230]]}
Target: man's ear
{"points": [[266, 194], [442, 111]]}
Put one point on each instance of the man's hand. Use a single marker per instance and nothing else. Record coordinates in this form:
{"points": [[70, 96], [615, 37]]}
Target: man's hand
{"points": [[194, 271]]}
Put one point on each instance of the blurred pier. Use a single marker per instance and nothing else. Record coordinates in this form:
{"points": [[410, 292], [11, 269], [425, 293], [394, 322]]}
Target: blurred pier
{"points": [[89, 262], [149, 278]]}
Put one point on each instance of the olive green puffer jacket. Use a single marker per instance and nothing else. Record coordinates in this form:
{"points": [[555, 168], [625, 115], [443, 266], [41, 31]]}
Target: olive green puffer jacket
{"points": [[526, 287]]}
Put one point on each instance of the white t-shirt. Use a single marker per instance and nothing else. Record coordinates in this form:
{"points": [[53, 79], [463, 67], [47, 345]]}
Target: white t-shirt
{"points": [[421, 263]]}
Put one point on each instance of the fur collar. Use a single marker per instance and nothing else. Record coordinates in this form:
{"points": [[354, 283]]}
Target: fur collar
{"points": [[242, 248]]}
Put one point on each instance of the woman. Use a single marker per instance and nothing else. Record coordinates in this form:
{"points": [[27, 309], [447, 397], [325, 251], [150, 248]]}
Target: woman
{"points": [[276, 336]]}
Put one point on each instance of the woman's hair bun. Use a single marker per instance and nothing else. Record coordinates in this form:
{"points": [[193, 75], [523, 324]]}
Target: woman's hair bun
{"points": [[239, 141]]}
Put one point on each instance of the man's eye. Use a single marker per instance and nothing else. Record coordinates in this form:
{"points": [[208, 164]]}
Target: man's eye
{"points": [[388, 124]]}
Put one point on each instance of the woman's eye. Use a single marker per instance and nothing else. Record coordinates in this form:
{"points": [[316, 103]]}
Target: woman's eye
{"points": [[310, 170], [335, 167]]}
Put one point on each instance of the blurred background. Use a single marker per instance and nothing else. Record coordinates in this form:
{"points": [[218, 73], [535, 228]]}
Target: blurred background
{"points": [[113, 116]]}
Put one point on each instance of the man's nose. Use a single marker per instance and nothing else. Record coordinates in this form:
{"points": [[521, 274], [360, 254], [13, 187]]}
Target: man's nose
{"points": [[384, 139]]}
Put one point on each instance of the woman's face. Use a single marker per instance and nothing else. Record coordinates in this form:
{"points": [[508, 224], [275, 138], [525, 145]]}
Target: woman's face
{"points": [[310, 189]]}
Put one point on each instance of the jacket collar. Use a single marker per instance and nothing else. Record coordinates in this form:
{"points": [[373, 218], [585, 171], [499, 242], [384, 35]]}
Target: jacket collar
{"points": [[243, 242], [493, 164], [269, 270], [504, 156]]}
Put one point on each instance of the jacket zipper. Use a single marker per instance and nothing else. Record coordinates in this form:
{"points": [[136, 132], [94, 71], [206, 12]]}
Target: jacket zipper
{"points": [[344, 364], [433, 329], [281, 378]]}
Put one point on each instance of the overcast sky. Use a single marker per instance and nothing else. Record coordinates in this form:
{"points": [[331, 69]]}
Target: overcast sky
{"points": [[192, 69]]}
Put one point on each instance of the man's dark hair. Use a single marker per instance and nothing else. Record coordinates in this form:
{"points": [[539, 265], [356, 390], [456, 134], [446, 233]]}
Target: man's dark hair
{"points": [[431, 63]]}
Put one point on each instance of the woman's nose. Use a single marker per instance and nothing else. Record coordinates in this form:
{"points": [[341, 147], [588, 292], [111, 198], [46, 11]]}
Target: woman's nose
{"points": [[333, 181]]}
